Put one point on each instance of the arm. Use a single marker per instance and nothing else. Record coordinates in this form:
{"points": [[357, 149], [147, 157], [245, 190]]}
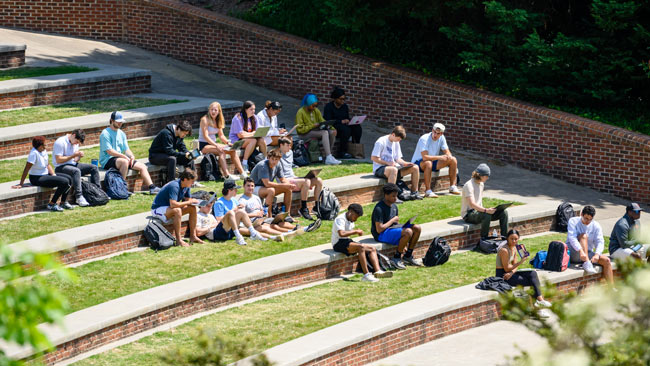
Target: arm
{"points": [[600, 240], [507, 266], [28, 166], [223, 138], [270, 184], [572, 235], [381, 227], [348, 233], [303, 122], [473, 204], [378, 160], [203, 125], [182, 204]]}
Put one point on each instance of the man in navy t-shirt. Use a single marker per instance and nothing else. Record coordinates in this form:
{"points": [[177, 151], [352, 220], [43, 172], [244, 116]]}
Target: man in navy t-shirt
{"points": [[173, 201]]}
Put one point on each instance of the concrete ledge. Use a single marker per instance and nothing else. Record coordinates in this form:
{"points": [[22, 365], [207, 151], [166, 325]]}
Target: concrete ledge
{"points": [[12, 47], [12, 55]]}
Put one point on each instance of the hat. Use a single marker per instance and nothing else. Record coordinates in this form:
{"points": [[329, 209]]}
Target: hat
{"points": [[634, 207], [483, 169], [117, 117], [439, 126], [230, 184], [309, 99], [204, 203], [275, 105]]}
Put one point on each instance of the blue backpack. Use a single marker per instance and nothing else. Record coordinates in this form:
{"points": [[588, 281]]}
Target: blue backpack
{"points": [[115, 186], [540, 258]]}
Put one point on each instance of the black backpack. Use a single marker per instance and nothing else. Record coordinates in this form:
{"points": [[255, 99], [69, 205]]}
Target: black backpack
{"points": [[438, 252], [300, 153], [490, 245], [210, 168], [384, 264], [562, 215], [328, 206], [115, 186], [157, 236], [255, 158], [404, 193], [93, 194], [557, 257]]}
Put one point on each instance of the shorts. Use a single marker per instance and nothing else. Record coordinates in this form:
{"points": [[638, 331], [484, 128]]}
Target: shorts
{"points": [[434, 166], [202, 145], [220, 234], [256, 190], [391, 235], [160, 214], [111, 163], [293, 181], [342, 245], [379, 173], [574, 256]]}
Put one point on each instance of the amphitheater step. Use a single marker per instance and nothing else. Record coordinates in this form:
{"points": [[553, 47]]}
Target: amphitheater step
{"points": [[12, 55]]}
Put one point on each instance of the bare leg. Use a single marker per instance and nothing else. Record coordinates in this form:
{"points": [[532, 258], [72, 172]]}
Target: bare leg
{"points": [[404, 240], [176, 214], [391, 174], [262, 145], [608, 272], [427, 166], [415, 237], [249, 146], [146, 178], [191, 210], [235, 160], [123, 166]]}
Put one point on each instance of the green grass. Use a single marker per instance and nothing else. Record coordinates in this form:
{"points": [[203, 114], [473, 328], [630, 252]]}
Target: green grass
{"points": [[60, 111], [270, 322], [30, 72], [108, 279]]}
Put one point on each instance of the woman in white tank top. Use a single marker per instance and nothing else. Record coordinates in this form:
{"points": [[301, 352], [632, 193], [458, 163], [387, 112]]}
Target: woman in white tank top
{"points": [[211, 126]]}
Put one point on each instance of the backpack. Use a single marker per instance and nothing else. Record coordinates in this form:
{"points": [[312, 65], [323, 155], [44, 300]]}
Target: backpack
{"points": [[404, 193], [490, 245], [438, 252], [557, 258], [540, 258], [313, 150], [202, 195], [93, 194], [562, 215], [115, 186], [328, 205], [210, 168], [255, 158], [157, 236], [300, 154], [384, 264]]}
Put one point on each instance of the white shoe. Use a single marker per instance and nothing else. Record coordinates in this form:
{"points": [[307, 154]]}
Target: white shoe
{"points": [[257, 236], [244, 175], [197, 185], [234, 177], [240, 240], [544, 313], [331, 160], [369, 277], [588, 268], [429, 194], [81, 201], [542, 304], [279, 238], [454, 190], [383, 274]]}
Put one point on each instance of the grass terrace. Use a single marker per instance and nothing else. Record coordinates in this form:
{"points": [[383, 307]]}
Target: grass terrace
{"points": [[59, 111], [270, 322], [30, 72]]}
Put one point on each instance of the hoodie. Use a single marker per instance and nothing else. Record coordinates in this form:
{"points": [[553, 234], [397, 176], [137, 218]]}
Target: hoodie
{"points": [[166, 142]]}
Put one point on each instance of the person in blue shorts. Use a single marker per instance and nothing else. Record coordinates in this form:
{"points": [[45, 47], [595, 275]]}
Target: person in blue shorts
{"points": [[384, 228]]}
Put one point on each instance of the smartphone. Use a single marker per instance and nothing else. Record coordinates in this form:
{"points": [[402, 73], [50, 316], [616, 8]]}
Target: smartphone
{"points": [[195, 153], [637, 247]]}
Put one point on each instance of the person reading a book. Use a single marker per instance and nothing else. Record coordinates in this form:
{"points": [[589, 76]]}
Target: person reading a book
{"points": [[243, 127], [432, 154], [338, 110], [625, 236], [168, 148], [302, 185], [472, 210], [308, 122], [507, 265], [268, 117], [211, 127]]}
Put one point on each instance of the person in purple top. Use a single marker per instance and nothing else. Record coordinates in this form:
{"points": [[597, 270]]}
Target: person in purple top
{"points": [[243, 127]]}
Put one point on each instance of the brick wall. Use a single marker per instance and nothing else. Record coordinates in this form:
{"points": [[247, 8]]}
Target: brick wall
{"points": [[12, 59]]}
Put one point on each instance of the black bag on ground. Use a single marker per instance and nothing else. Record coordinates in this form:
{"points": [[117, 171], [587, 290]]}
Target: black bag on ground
{"points": [[328, 205], [562, 215], [115, 186], [490, 245], [300, 153], [157, 236], [494, 283], [438, 252], [384, 264], [93, 194], [404, 193], [210, 168], [255, 158]]}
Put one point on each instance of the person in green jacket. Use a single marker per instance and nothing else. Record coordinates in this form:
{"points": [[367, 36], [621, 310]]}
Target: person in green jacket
{"points": [[308, 122]]}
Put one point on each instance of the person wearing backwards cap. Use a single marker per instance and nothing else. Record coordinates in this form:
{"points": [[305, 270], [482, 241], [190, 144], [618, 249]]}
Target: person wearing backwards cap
{"points": [[114, 152], [308, 120], [428, 157], [625, 235], [472, 210]]}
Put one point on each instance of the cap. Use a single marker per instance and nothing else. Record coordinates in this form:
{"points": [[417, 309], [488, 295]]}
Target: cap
{"points": [[117, 117], [634, 207], [275, 105], [439, 126], [203, 203], [230, 184], [483, 169]]}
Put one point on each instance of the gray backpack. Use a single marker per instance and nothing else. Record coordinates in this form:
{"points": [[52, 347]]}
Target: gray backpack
{"points": [[328, 205], [157, 236]]}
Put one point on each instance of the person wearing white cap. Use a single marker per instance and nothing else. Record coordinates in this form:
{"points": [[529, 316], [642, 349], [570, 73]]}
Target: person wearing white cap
{"points": [[472, 210], [624, 241], [432, 154], [114, 152]]}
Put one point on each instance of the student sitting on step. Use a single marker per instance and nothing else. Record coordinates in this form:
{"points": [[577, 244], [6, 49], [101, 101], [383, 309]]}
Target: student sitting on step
{"points": [[338, 110], [586, 243], [243, 127], [230, 213], [173, 201], [308, 126], [264, 174], [302, 185], [428, 157], [268, 117], [342, 230], [211, 127], [168, 148], [472, 210], [384, 227], [387, 160], [65, 158], [205, 220]]}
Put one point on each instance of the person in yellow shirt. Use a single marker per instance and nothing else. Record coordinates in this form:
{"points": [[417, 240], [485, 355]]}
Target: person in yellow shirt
{"points": [[308, 122]]}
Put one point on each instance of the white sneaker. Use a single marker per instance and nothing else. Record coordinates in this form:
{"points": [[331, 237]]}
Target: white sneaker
{"points": [[81, 201], [244, 175], [369, 277], [330, 160], [197, 185], [234, 177], [542, 304], [240, 240], [588, 268], [257, 236], [383, 274], [429, 193], [544, 313], [279, 238], [454, 190]]}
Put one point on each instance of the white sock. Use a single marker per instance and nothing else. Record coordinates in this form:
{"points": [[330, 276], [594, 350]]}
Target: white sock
{"points": [[252, 231], [244, 163], [237, 233]]}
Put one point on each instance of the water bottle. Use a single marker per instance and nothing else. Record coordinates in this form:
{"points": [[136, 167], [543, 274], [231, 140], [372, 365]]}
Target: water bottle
{"points": [[494, 232]]}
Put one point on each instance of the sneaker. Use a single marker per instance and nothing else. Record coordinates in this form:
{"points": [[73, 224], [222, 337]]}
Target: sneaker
{"points": [[81, 202], [544, 313], [197, 185], [588, 268], [429, 194], [454, 190], [313, 226], [240, 240], [398, 201], [398, 263], [67, 206], [383, 274], [257, 236], [330, 160], [416, 196], [244, 174], [54, 207], [154, 190], [305, 213], [412, 261], [347, 156], [542, 304], [368, 277], [279, 238]]}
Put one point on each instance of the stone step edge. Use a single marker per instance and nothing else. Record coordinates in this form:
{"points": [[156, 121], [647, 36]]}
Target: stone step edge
{"points": [[65, 125], [86, 321], [12, 47]]}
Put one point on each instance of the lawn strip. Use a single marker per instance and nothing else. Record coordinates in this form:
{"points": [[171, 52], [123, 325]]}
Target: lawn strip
{"points": [[30, 72]]}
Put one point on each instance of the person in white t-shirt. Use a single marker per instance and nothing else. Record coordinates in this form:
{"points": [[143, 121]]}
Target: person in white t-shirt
{"points": [[432, 154], [342, 230], [472, 210], [205, 220], [387, 161], [268, 117], [65, 158], [586, 243]]}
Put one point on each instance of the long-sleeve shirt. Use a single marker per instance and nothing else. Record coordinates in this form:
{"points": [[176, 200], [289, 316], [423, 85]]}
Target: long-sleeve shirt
{"points": [[623, 234], [305, 120], [595, 242]]}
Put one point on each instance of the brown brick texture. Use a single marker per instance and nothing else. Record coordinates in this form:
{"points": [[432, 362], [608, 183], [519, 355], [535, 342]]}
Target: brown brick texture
{"points": [[12, 59]]}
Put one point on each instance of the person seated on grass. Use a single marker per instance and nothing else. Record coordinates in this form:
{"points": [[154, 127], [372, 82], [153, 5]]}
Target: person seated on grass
{"points": [[586, 242], [65, 158], [114, 152], [428, 157], [387, 160], [308, 126], [41, 174], [205, 220], [173, 201], [268, 117], [168, 148], [342, 230], [264, 174], [243, 127], [385, 229], [211, 127], [625, 235], [507, 268], [301, 185], [230, 213], [472, 210]]}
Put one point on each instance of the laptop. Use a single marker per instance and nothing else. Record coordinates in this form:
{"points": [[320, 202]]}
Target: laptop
{"points": [[409, 223], [261, 131], [357, 120], [312, 173], [235, 145], [502, 207], [279, 217]]}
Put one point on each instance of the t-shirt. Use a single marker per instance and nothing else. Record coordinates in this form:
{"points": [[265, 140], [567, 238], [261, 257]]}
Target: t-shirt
{"points": [[252, 204], [203, 221], [472, 188], [426, 143], [595, 240], [263, 120], [223, 205], [171, 191], [39, 161], [237, 126], [341, 222], [286, 165], [263, 171], [381, 213], [63, 147], [386, 151], [111, 139]]}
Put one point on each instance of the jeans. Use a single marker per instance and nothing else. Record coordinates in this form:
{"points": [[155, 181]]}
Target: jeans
{"points": [[75, 172], [61, 182], [343, 133], [475, 217], [170, 161]]}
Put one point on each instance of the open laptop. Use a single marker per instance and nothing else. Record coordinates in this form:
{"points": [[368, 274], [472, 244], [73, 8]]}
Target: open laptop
{"points": [[236, 145], [357, 120], [279, 217], [312, 173], [502, 207], [261, 131], [409, 223]]}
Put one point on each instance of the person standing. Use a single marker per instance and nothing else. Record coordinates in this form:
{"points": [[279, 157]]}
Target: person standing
{"points": [[65, 158]]}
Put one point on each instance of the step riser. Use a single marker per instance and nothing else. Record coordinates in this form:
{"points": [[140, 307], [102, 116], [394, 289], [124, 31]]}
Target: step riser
{"points": [[12, 59]]}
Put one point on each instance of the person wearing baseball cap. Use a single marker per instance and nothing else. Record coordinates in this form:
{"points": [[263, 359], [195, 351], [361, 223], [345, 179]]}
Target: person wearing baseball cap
{"points": [[230, 213], [432, 154], [472, 210], [625, 236]]}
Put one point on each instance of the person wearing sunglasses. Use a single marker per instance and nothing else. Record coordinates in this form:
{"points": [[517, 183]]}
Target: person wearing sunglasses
{"points": [[308, 122], [338, 110]]}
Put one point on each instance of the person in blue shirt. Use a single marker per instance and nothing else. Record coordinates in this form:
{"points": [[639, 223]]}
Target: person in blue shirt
{"points": [[173, 201], [230, 213]]}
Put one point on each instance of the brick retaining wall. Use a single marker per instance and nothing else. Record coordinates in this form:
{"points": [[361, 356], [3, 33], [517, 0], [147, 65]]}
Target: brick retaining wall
{"points": [[12, 59]]}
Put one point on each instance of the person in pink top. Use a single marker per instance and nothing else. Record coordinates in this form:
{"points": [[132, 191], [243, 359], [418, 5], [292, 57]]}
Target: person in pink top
{"points": [[243, 127]]}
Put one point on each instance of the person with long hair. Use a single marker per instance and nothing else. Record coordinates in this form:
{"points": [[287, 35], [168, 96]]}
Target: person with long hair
{"points": [[243, 127], [308, 121], [268, 117], [211, 127], [338, 110]]}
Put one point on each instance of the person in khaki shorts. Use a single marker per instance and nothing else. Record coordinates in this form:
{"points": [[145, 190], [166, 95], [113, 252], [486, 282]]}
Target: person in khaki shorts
{"points": [[626, 236]]}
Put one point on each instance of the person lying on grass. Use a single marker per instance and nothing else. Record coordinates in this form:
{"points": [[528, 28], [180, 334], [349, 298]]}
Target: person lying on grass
{"points": [[230, 213], [342, 230]]}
